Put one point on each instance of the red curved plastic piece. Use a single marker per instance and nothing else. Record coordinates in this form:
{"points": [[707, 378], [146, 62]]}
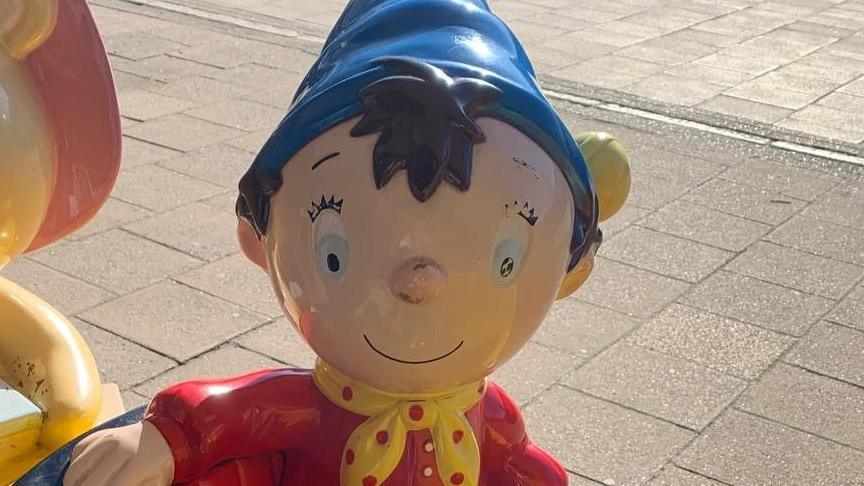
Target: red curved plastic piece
{"points": [[71, 74]]}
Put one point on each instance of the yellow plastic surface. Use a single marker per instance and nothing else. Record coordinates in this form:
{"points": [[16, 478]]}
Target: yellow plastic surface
{"points": [[610, 169], [25, 24]]}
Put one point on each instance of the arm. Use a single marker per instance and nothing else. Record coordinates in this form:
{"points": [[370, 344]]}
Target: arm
{"points": [[206, 422], [509, 457]]}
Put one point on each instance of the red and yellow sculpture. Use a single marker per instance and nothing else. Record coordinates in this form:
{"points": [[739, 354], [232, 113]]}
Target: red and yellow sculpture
{"points": [[59, 157]]}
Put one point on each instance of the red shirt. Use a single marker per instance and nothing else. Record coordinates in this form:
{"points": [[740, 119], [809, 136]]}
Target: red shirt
{"points": [[274, 427]]}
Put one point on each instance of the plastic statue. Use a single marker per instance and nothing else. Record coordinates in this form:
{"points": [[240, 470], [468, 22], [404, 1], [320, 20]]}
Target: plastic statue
{"points": [[418, 210], [59, 157]]}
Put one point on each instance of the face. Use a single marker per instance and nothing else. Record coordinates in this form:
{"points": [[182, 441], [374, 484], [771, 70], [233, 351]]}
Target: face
{"points": [[418, 297]]}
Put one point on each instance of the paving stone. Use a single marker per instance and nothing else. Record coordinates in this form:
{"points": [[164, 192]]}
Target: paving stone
{"points": [[660, 385], [854, 88], [166, 68], [709, 74], [838, 120], [280, 341], [705, 225], [227, 53], [132, 400], [850, 312], [582, 329], [742, 108], [63, 292], [261, 77], [804, 70], [808, 126], [796, 269], [113, 214], [597, 77], [574, 480], [833, 350], [653, 193], [237, 280], [790, 395], [674, 167], [160, 189], [622, 220], [144, 105], [201, 90], [534, 369], [279, 97], [758, 302], [224, 362], [675, 476], [125, 82], [745, 201], [744, 450], [662, 253], [116, 260], [822, 238], [121, 361], [140, 45], [218, 164], [251, 142], [819, 29], [749, 65], [240, 114], [600, 440], [842, 205], [186, 35], [842, 102], [196, 229], [773, 176], [722, 344], [629, 290], [225, 202], [195, 321], [136, 152], [672, 89], [182, 132], [772, 95]]}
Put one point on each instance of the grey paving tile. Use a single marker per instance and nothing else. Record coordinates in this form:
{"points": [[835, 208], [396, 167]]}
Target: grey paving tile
{"points": [[534, 369], [850, 311], [842, 205], [121, 361], [749, 65], [675, 476], [796, 269], [843, 102], [600, 440], [219, 164], [226, 361], [125, 82], [201, 90], [622, 220], [225, 202], [709, 74], [815, 404], [144, 105], [240, 114], [237, 280], [196, 229], [745, 450], [831, 350], [137, 152], [672, 166], [140, 45], [116, 260], [113, 214], [251, 142], [840, 121], [194, 320], [260, 77], [722, 344], [582, 329], [746, 201], [673, 89], [773, 176], [705, 225], [160, 189], [818, 29], [729, 105], [574, 480], [280, 341], [182, 132], [854, 88], [652, 192], [132, 400], [166, 68], [660, 385], [804, 70], [629, 290], [662, 253], [603, 78], [803, 123], [760, 303], [66, 293], [822, 238]]}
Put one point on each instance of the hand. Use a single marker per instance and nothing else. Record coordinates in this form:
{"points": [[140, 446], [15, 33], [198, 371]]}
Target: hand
{"points": [[135, 455]]}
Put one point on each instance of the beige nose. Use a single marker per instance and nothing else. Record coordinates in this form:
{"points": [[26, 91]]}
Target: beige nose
{"points": [[417, 280]]}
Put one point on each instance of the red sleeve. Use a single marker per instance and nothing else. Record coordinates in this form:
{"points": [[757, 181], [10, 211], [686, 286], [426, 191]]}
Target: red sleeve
{"points": [[509, 456], [206, 422]]}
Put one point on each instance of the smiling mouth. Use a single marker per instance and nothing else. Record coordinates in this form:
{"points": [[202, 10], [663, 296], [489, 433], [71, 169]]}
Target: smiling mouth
{"points": [[405, 361]]}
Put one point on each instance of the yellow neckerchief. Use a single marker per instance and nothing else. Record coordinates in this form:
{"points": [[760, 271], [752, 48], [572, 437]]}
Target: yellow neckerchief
{"points": [[375, 448]]}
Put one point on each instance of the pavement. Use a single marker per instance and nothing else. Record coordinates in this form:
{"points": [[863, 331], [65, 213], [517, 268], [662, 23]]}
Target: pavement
{"points": [[720, 340]]}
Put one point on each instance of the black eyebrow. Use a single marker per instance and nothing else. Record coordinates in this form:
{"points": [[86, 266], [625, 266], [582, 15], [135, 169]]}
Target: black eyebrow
{"points": [[527, 166], [324, 159]]}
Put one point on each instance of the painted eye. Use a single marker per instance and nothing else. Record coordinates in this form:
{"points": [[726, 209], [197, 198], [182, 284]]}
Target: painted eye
{"points": [[507, 261], [331, 247]]}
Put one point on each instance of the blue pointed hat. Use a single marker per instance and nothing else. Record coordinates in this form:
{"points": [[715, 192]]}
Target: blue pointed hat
{"points": [[461, 37]]}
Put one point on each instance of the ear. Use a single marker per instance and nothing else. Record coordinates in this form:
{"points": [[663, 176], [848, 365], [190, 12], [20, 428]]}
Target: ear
{"points": [[252, 246], [25, 24], [610, 170], [577, 276]]}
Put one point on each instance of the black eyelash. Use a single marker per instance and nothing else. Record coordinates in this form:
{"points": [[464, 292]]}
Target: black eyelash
{"points": [[525, 211], [319, 207]]}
